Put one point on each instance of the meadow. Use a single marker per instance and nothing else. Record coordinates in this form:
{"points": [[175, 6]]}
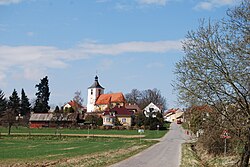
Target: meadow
{"points": [[51, 149], [148, 134]]}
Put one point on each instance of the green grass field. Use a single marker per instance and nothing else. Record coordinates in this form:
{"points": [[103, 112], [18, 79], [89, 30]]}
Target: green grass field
{"points": [[40, 149], [148, 133], [48, 148]]}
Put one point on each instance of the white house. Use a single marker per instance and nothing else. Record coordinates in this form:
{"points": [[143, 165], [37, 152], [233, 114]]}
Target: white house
{"points": [[152, 110], [172, 115]]}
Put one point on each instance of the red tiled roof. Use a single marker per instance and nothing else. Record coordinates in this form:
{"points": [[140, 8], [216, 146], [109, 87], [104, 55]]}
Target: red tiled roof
{"points": [[73, 103], [172, 110], [110, 98], [119, 111]]}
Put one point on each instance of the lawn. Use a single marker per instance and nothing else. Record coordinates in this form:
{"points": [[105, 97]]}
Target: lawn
{"points": [[48, 149], [149, 134], [65, 151]]}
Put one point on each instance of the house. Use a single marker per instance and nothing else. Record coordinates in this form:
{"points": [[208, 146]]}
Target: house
{"points": [[119, 112], [99, 102], [75, 106], [133, 108], [151, 110], [52, 119], [173, 115], [39, 120]]}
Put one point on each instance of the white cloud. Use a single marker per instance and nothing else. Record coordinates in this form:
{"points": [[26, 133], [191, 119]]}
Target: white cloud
{"points": [[210, 4], [7, 2], [150, 2], [33, 61]]}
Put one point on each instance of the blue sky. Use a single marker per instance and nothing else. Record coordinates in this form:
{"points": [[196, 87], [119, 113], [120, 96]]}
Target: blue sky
{"points": [[130, 44]]}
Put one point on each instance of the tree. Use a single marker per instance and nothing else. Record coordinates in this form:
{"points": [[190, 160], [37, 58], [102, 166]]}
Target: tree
{"points": [[58, 117], [25, 104], [99, 121], [78, 97], [3, 103], [14, 103], [154, 96], [143, 98], [133, 97], [140, 119], [215, 71], [78, 100], [9, 118], [91, 119], [41, 103]]}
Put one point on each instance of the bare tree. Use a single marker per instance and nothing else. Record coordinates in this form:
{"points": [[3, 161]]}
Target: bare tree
{"points": [[216, 71], [78, 97], [134, 96], [9, 118], [143, 98]]}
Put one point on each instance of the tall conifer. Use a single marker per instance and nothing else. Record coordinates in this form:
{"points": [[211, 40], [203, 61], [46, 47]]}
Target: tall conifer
{"points": [[25, 104], [14, 102], [41, 104]]}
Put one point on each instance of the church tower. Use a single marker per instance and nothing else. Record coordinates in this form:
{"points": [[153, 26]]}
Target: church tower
{"points": [[94, 91]]}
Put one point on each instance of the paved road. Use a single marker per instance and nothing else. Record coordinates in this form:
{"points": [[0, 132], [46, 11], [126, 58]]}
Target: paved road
{"points": [[166, 153]]}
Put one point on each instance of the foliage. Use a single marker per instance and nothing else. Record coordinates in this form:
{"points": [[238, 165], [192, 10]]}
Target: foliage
{"points": [[140, 119], [92, 119], [215, 71], [14, 102], [99, 121], [117, 121], [155, 123], [25, 104], [9, 118], [143, 98], [3, 102], [41, 104]]}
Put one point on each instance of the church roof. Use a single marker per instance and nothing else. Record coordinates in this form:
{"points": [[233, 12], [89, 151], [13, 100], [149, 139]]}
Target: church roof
{"points": [[96, 84], [110, 98]]}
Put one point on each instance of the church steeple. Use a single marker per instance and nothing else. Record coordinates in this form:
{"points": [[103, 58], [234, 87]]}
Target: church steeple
{"points": [[94, 91], [96, 84]]}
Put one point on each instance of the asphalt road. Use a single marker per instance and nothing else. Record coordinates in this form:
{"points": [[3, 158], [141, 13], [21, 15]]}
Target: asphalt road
{"points": [[166, 153]]}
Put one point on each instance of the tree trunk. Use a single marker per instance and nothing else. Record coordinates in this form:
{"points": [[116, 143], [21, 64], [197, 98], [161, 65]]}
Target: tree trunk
{"points": [[246, 153], [9, 129]]}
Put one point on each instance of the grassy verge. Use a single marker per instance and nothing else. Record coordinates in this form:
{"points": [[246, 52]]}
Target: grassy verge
{"points": [[67, 151], [191, 158]]}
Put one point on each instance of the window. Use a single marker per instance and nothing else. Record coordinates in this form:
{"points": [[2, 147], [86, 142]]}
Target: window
{"points": [[124, 120], [107, 119], [99, 92], [91, 92]]}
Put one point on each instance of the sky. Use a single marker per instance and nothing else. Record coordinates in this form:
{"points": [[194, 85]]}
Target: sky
{"points": [[129, 44]]}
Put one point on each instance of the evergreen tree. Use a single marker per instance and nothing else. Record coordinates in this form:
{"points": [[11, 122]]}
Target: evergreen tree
{"points": [[41, 103], [3, 103], [25, 104], [14, 102]]}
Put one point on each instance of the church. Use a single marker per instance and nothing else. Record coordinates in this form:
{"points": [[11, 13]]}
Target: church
{"points": [[99, 102]]}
